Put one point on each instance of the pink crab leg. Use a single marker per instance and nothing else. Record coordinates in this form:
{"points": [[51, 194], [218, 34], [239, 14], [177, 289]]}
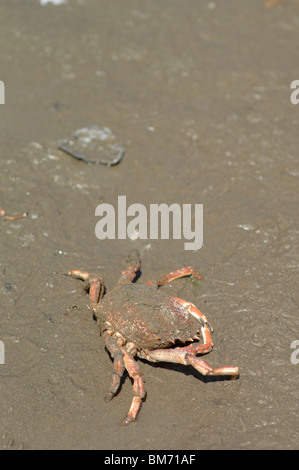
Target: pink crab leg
{"points": [[12, 217], [178, 356], [194, 311], [129, 274], [174, 275], [205, 369], [118, 364], [94, 284], [138, 388]]}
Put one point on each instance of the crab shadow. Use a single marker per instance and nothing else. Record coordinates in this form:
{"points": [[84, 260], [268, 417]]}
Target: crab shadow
{"points": [[187, 371]]}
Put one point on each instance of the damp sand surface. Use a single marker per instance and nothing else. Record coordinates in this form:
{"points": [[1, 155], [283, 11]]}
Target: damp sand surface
{"points": [[198, 95]]}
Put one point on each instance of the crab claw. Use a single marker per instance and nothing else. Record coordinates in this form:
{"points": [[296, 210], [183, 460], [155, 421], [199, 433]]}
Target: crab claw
{"points": [[195, 313]]}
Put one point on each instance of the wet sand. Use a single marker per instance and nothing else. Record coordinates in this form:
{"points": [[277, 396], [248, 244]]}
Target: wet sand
{"points": [[198, 94]]}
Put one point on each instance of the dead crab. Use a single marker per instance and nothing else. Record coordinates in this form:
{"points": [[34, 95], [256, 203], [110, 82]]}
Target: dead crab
{"points": [[139, 320]]}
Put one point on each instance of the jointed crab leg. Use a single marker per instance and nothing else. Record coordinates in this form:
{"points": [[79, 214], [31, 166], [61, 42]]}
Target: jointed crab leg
{"points": [[138, 388], [118, 364], [205, 369], [12, 217], [174, 275], [180, 356], [123, 360]]}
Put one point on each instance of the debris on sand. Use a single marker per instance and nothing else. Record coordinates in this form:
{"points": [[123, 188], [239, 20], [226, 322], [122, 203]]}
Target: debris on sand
{"points": [[12, 217], [90, 141]]}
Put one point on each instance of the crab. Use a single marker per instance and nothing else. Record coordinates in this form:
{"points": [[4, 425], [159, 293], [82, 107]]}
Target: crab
{"points": [[140, 320]]}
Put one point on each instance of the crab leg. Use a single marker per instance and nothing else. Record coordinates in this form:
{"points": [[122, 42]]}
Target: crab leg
{"points": [[129, 274], [205, 369], [94, 284], [194, 312], [174, 275], [123, 360], [12, 217], [138, 388], [118, 364], [180, 356]]}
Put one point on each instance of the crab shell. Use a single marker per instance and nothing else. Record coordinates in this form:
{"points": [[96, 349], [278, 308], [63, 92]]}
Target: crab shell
{"points": [[146, 317]]}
